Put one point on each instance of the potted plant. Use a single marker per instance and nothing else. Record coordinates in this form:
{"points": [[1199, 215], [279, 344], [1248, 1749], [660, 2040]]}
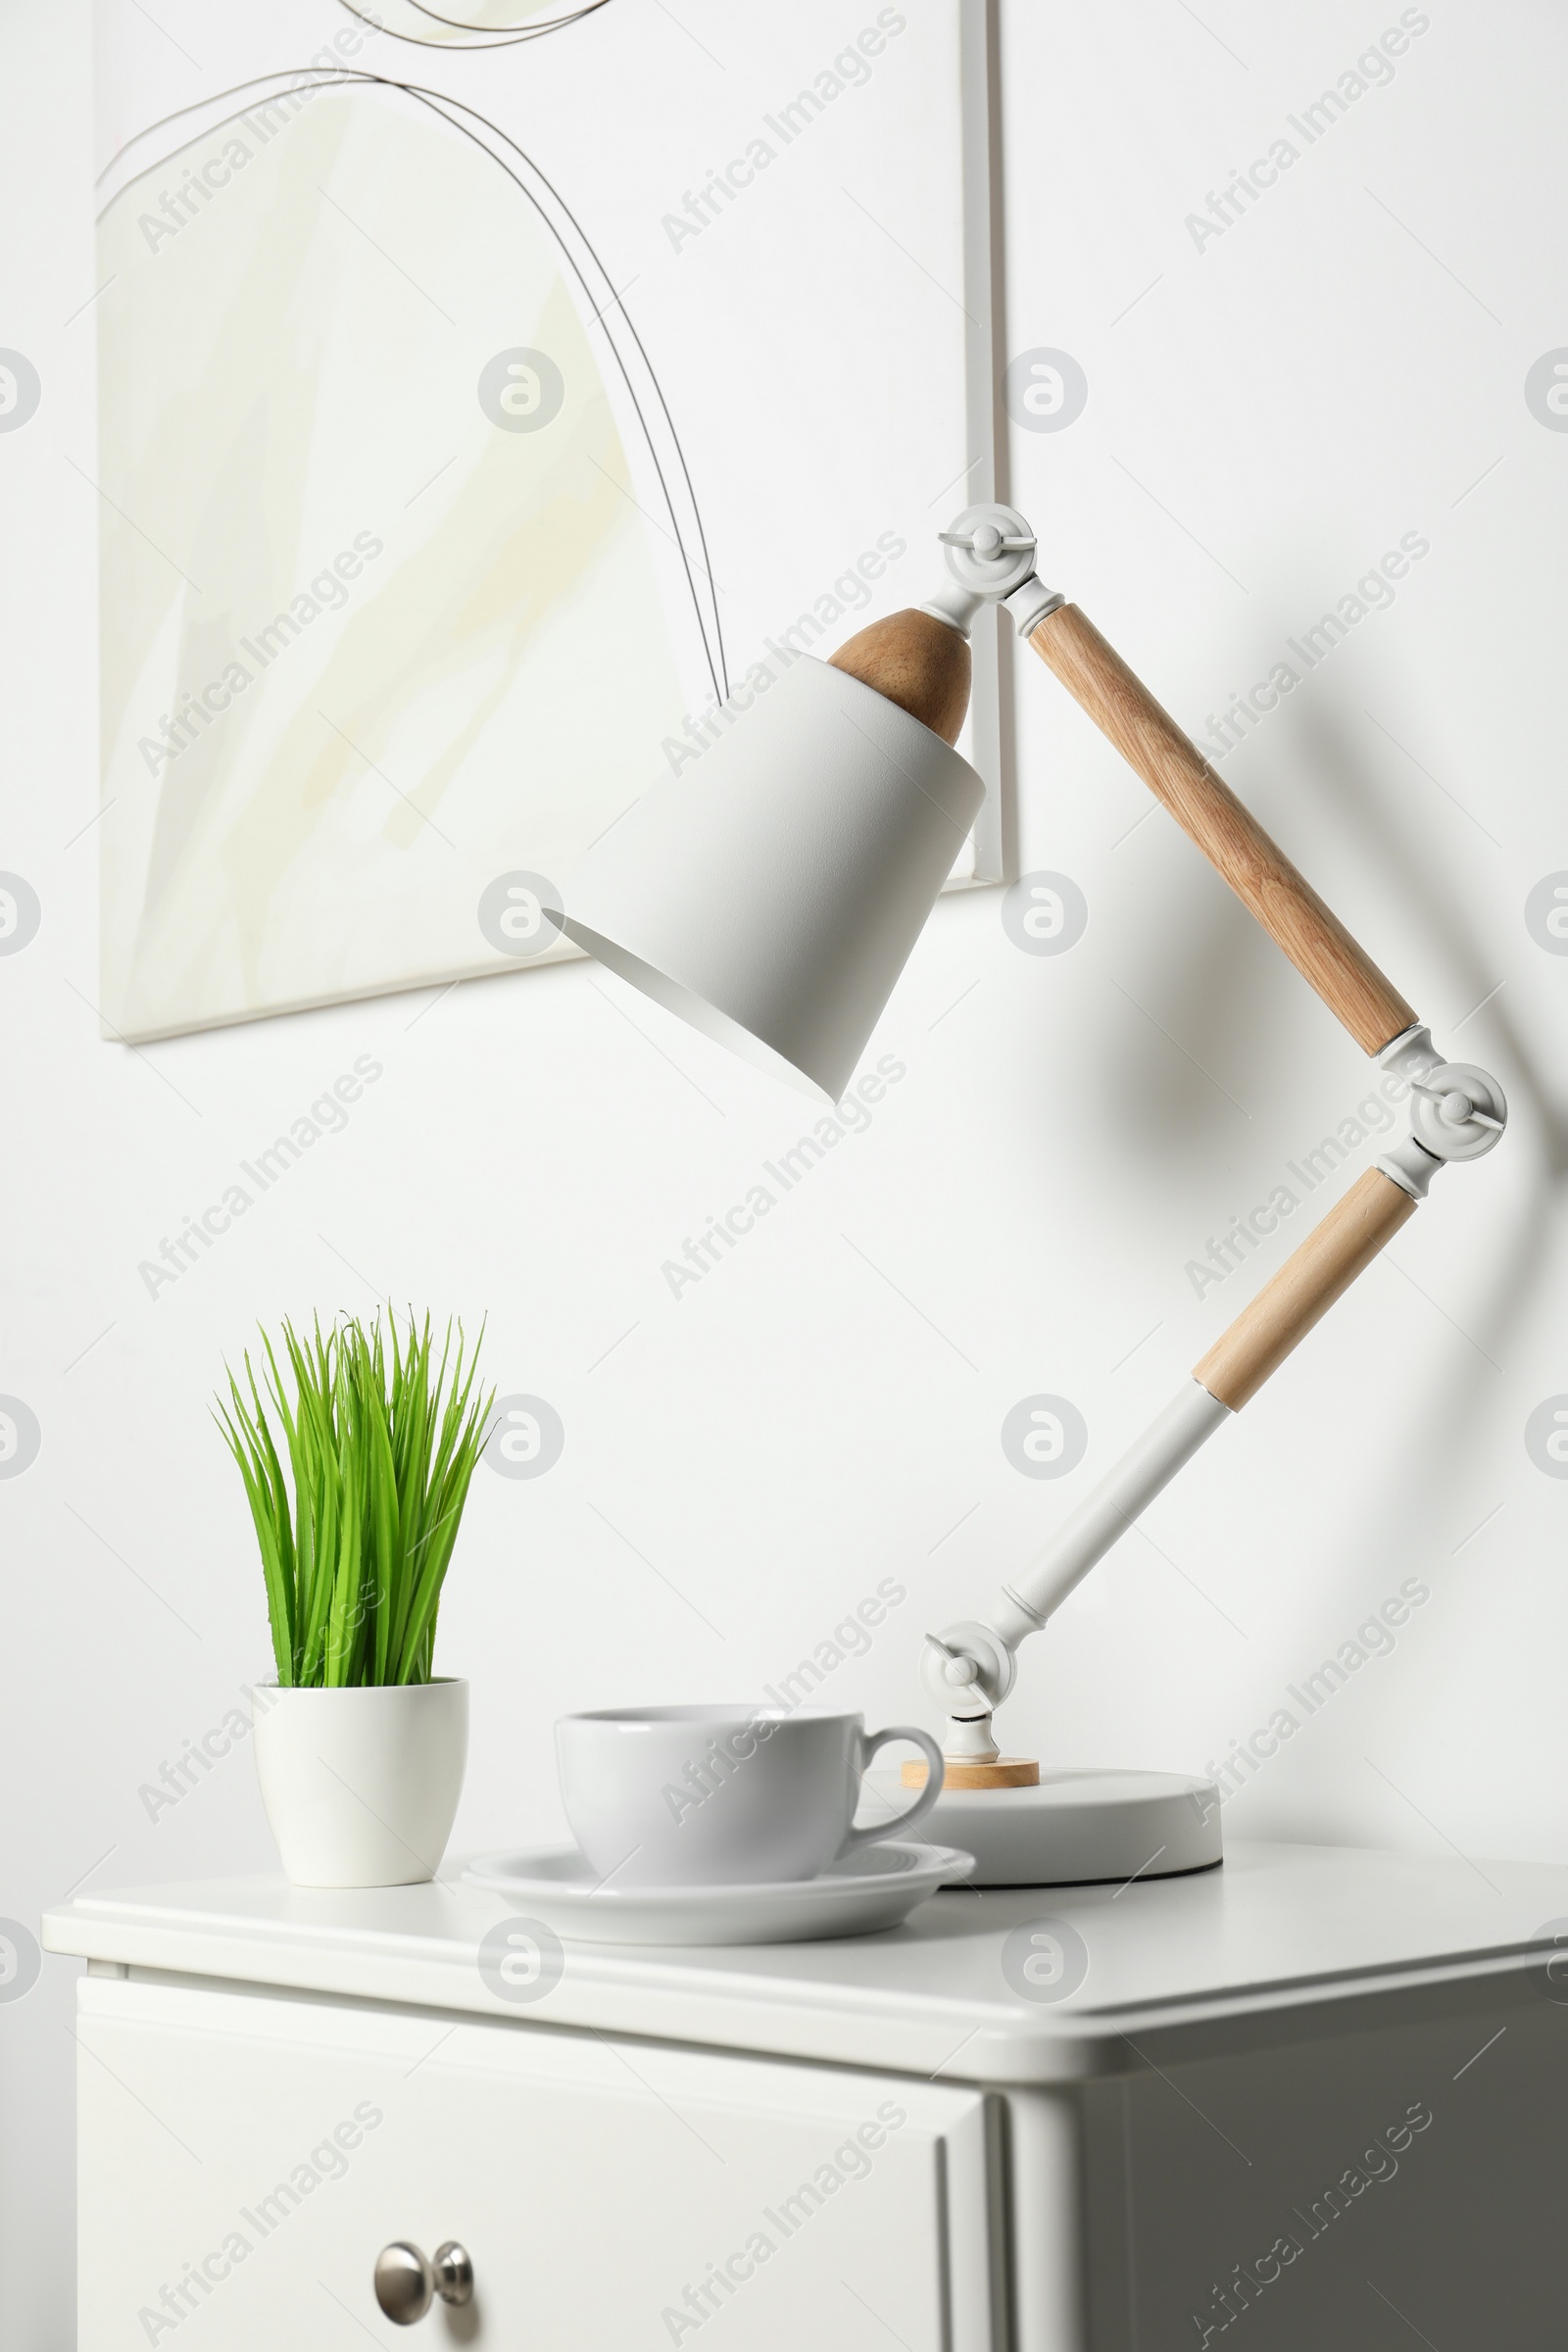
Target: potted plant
{"points": [[362, 1752]]}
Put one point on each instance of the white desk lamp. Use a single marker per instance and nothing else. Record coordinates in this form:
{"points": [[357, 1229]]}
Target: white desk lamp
{"points": [[772, 894]]}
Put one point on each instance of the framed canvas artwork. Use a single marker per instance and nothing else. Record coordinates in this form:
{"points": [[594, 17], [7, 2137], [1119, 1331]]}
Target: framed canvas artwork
{"points": [[491, 402]]}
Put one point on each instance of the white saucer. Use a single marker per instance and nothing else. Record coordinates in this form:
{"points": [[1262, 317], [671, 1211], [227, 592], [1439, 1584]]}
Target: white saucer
{"points": [[877, 1888]]}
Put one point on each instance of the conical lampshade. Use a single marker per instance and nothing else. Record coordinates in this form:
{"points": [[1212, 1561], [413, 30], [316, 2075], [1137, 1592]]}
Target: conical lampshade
{"points": [[771, 891]]}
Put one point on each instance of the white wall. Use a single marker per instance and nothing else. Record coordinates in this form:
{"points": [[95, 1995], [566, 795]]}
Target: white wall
{"points": [[1343, 366]]}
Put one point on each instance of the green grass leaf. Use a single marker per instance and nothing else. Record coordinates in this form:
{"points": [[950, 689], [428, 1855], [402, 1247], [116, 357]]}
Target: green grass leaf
{"points": [[381, 1439]]}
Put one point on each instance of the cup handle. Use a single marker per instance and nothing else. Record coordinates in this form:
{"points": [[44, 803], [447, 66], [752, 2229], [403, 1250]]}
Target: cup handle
{"points": [[902, 1823]]}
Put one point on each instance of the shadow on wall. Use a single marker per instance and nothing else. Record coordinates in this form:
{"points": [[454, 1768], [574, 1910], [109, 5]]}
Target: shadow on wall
{"points": [[1396, 852], [1208, 974], [1439, 1415]]}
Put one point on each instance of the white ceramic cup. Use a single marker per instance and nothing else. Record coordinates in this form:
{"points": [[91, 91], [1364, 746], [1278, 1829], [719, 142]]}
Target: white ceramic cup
{"points": [[723, 1796]]}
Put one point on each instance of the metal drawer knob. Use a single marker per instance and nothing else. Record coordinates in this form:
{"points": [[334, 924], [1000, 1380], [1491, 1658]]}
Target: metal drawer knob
{"points": [[406, 2279]]}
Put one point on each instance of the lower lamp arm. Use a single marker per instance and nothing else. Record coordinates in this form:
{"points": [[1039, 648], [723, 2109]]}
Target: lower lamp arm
{"points": [[1301, 1294], [970, 1667], [1235, 1368]]}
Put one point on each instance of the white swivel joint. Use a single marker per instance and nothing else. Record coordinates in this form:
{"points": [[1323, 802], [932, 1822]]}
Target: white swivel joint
{"points": [[969, 1670], [991, 561], [1457, 1111]]}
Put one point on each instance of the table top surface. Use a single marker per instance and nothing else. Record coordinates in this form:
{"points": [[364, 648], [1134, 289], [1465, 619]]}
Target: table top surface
{"points": [[965, 1989]]}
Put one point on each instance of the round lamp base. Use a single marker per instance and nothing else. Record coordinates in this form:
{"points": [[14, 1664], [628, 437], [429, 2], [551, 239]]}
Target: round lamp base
{"points": [[1074, 1828]]}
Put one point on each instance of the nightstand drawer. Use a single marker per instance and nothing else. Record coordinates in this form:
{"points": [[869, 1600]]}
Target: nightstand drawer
{"points": [[246, 2157]]}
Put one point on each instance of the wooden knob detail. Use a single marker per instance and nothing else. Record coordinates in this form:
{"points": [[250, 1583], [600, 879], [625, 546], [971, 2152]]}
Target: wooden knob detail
{"points": [[917, 662]]}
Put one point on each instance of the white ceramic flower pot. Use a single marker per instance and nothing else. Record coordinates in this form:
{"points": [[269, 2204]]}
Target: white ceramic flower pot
{"points": [[361, 1787]]}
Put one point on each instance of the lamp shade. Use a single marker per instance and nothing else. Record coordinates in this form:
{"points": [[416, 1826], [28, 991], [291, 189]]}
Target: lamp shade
{"points": [[771, 891]]}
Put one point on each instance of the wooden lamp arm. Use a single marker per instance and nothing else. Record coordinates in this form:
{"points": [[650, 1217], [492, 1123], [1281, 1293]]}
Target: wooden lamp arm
{"points": [[1234, 1369], [1338, 1247], [1229, 836]]}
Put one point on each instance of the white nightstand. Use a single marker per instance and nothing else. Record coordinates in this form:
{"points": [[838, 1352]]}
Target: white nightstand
{"points": [[1317, 2098]]}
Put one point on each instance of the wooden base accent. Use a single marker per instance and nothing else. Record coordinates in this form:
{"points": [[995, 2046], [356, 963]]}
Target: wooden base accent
{"points": [[1007, 1772]]}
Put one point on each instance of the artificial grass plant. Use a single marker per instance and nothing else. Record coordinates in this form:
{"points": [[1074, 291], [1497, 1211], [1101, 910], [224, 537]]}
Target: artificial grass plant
{"points": [[382, 1443]]}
